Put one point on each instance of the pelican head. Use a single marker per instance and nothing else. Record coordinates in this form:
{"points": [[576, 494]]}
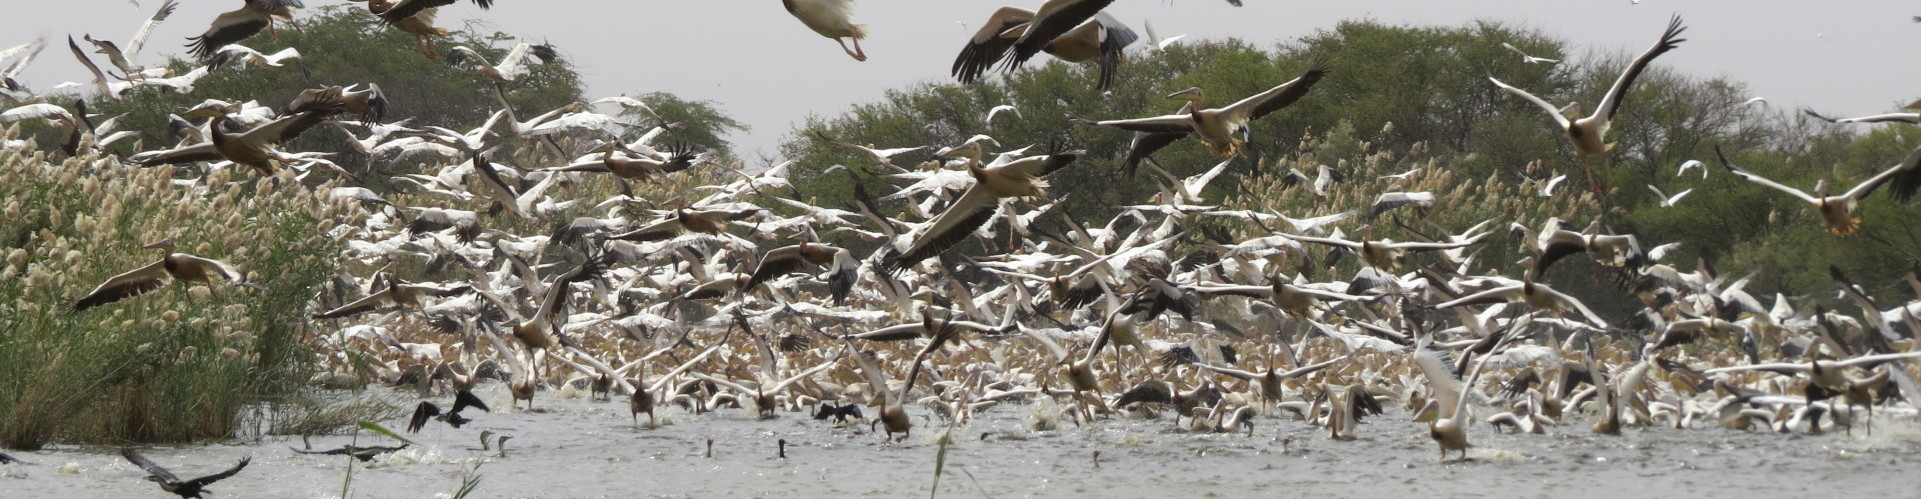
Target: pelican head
{"points": [[970, 150], [1821, 188], [208, 109], [163, 243], [1192, 94]]}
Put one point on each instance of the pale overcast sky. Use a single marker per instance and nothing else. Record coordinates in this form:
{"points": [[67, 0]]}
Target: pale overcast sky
{"points": [[767, 70]]}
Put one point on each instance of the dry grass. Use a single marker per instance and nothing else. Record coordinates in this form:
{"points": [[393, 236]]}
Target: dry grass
{"points": [[176, 364]]}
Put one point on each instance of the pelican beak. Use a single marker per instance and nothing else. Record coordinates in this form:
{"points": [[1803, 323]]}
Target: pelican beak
{"points": [[203, 111], [968, 150], [1189, 94], [164, 243]]}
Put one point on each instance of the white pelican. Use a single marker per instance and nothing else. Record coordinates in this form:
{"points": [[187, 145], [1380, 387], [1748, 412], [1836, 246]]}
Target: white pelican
{"points": [[1423, 202], [1100, 40], [1381, 254], [247, 55], [1666, 200], [176, 266], [1555, 243], [841, 267], [398, 294], [1224, 130], [1017, 178], [1271, 381], [420, 25], [997, 110], [883, 157], [509, 67], [240, 24], [893, 416], [833, 19], [1589, 134], [405, 9], [1692, 163], [1534, 294], [10, 87], [103, 88], [124, 58], [1054, 19], [1837, 211], [75, 125], [1547, 188], [255, 149], [1154, 42], [1528, 58], [1910, 118]]}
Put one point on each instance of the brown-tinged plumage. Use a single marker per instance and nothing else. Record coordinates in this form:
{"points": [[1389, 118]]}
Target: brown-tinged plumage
{"points": [[182, 267], [420, 24], [1224, 129], [407, 9], [841, 267], [1837, 211], [240, 24], [1589, 134], [1017, 178]]}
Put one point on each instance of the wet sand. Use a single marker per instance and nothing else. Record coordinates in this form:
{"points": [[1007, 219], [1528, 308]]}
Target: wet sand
{"points": [[579, 448]]}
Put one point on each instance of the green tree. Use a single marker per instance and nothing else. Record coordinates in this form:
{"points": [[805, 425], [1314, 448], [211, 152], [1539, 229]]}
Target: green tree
{"points": [[700, 124]]}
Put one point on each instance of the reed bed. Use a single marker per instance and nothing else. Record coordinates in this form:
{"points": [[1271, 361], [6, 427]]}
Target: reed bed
{"points": [[176, 364]]}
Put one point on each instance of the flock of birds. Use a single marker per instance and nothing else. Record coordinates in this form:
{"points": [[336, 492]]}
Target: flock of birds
{"points": [[683, 307]]}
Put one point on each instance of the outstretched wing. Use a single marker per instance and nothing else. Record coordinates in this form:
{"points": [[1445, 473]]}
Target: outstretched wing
{"points": [[210, 479], [1551, 110], [126, 285], [1279, 97], [146, 29], [989, 45], [152, 469], [465, 399], [1617, 94], [1761, 181]]}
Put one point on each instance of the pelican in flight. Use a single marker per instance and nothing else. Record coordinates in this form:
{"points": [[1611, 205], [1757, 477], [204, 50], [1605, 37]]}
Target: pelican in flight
{"points": [[398, 294], [1381, 254], [1449, 426], [509, 67], [1224, 130], [1054, 19], [406, 9], [1017, 178], [255, 150], [242, 23], [252, 148], [841, 267], [123, 59], [176, 266], [1100, 40], [1528, 58], [1909, 118], [420, 25], [1589, 134], [1534, 294], [833, 19], [1837, 211]]}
